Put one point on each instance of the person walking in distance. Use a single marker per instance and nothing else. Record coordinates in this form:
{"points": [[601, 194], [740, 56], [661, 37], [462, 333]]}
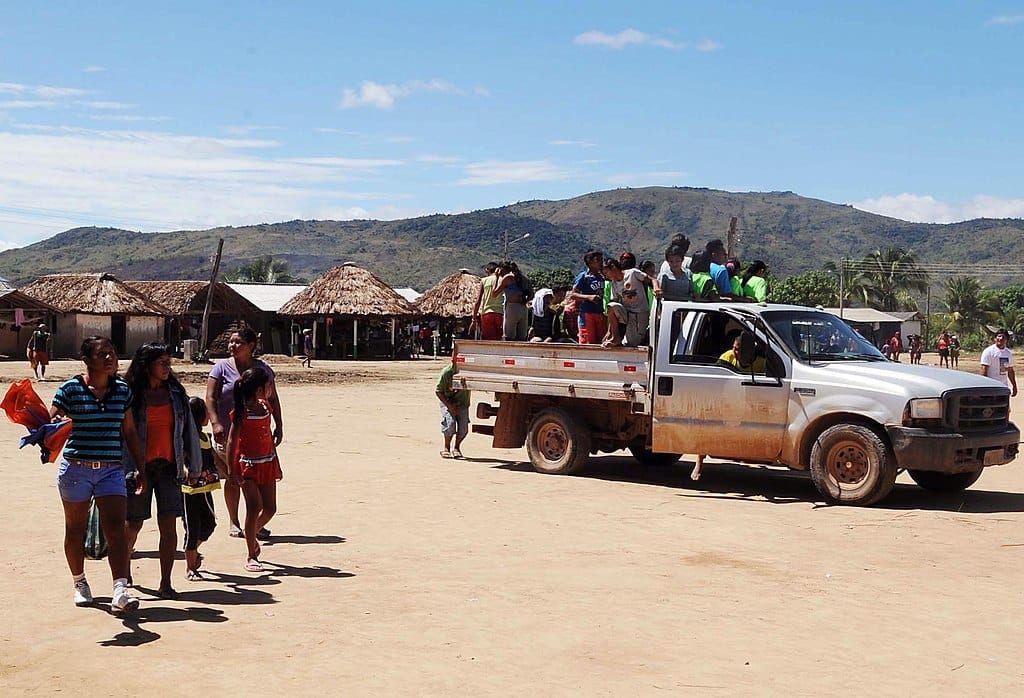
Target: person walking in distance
{"points": [[997, 362], [39, 351]]}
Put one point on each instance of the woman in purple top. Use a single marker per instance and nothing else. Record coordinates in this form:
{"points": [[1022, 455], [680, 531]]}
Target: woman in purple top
{"points": [[220, 387]]}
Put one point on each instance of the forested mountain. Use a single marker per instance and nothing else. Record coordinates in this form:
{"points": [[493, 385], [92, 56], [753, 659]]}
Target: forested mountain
{"points": [[790, 232]]}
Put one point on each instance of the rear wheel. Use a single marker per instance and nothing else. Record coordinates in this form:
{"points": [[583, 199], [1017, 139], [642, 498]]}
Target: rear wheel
{"points": [[944, 482], [558, 442], [646, 456], [851, 464]]}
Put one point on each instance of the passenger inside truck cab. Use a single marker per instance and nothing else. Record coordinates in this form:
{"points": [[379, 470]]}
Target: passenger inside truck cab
{"points": [[731, 357]]}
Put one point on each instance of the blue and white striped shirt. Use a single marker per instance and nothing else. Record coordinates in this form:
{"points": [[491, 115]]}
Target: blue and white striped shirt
{"points": [[95, 424]]}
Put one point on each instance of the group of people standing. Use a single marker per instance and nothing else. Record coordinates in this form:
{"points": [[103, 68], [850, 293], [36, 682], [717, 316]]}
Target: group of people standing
{"points": [[141, 437], [609, 301]]}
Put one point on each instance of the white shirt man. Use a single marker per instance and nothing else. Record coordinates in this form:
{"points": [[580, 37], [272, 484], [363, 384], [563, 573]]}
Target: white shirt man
{"points": [[997, 362]]}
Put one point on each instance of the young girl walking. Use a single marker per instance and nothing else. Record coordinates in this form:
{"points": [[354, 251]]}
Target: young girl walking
{"points": [[252, 458]]}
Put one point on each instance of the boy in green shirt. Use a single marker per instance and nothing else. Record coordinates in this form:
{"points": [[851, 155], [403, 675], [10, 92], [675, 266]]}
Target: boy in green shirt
{"points": [[454, 411]]}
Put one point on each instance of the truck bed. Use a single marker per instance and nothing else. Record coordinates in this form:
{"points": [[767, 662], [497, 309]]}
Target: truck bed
{"points": [[565, 370]]}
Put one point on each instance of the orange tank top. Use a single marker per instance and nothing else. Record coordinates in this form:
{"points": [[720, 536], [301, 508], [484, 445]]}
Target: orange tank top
{"points": [[160, 433]]}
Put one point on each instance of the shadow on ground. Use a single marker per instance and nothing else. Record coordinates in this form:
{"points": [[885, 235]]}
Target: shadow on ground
{"points": [[777, 485]]}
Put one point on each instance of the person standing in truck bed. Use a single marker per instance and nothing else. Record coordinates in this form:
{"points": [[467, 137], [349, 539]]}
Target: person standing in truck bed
{"points": [[588, 292]]}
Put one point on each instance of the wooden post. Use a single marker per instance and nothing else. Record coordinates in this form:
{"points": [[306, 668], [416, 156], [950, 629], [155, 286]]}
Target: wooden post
{"points": [[355, 337], [209, 298], [732, 239], [842, 284]]}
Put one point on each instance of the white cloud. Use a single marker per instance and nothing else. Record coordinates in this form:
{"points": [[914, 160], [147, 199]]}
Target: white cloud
{"points": [[626, 37], [438, 159], [127, 117], [93, 69], [707, 45], [581, 144], [481, 91], [26, 103], [54, 180], [372, 94], [1005, 20], [107, 105], [927, 209], [647, 179], [513, 172]]}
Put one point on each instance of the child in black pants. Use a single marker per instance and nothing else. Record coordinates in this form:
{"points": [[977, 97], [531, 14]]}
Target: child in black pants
{"points": [[200, 519]]}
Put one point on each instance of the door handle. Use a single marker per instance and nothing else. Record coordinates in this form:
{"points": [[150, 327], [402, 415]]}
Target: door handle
{"points": [[665, 385]]}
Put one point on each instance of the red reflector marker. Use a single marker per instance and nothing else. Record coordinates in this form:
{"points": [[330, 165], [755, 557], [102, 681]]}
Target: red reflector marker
{"points": [[510, 362], [629, 369], [568, 364], [460, 359]]}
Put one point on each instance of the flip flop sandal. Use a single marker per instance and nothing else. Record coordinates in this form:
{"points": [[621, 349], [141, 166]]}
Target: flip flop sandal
{"points": [[446, 454], [193, 576], [253, 566]]}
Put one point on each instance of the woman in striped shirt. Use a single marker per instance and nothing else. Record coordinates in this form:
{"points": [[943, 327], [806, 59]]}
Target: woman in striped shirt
{"points": [[97, 403]]}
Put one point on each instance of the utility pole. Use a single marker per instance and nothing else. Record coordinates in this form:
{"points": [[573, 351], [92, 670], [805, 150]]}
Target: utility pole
{"points": [[842, 284], [209, 297], [732, 239]]}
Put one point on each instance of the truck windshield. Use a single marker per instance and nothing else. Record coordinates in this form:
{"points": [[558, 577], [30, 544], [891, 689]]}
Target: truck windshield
{"points": [[816, 336]]}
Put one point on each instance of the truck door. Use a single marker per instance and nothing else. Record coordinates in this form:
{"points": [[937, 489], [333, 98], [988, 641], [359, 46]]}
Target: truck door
{"points": [[703, 405]]}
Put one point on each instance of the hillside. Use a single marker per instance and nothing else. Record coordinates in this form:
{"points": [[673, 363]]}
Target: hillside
{"points": [[792, 233]]}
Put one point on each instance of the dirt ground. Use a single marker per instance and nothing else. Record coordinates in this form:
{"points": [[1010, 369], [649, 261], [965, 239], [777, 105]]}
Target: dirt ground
{"points": [[396, 572]]}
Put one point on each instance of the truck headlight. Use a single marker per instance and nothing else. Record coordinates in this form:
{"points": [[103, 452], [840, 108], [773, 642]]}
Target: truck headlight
{"points": [[923, 412]]}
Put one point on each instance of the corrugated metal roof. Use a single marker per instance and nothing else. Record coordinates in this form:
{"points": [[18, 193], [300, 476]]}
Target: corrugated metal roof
{"points": [[864, 315], [267, 297], [409, 294]]}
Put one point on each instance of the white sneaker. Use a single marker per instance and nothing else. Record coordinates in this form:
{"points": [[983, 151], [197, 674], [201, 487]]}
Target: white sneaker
{"points": [[83, 594], [123, 600]]}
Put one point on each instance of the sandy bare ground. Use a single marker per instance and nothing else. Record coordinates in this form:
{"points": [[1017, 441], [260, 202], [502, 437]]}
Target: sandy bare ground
{"points": [[397, 572]]}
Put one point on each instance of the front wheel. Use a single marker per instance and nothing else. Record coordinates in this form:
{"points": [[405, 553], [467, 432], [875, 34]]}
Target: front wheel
{"points": [[944, 482], [646, 456], [851, 464], [558, 442]]}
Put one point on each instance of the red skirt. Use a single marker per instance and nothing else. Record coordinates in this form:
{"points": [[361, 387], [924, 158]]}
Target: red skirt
{"points": [[262, 473]]}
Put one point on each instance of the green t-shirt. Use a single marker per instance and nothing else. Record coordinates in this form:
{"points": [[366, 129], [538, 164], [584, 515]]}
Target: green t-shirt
{"points": [[756, 288], [444, 386], [702, 282]]}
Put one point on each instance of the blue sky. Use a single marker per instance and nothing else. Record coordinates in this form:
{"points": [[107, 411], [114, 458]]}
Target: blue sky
{"points": [[188, 115]]}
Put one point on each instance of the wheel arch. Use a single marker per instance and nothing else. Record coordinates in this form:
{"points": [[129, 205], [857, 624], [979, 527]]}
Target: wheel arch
{"points": [[818, 426]]}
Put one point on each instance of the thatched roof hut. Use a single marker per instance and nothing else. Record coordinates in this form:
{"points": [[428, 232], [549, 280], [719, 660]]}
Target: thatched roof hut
{"points": [[453, 297], [348, 291], [353, 305], [219, 345], [189, 297], [19, 316], [96, 294], [99, 304]]}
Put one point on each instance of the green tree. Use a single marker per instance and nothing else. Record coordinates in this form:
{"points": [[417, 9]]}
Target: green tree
{"points": [[963, 300], [810, 288], [549, 278], [890, 278], [264, 270]]}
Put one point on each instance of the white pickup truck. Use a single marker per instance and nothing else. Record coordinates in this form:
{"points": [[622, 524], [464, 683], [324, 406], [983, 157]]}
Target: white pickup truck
{"points": [[822, 399]]}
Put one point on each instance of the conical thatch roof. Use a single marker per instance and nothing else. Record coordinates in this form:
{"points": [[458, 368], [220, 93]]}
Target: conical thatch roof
{"points": [[453, 297], [95, 294], [348, 290], [185, 297]]}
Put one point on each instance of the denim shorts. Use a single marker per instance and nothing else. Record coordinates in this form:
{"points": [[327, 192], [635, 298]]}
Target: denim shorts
{"points": [[161, 481], [459, 424], [78, 483]]}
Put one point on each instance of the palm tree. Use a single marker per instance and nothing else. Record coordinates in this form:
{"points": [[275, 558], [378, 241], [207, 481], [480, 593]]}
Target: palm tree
{"points": [[854, 286], [889, 278], [263, 270], [963, 300]]}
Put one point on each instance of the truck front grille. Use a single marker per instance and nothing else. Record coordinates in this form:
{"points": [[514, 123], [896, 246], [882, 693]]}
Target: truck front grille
{"points": [[977, 410]]}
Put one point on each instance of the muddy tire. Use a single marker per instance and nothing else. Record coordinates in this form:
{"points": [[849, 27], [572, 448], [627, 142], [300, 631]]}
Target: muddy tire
{"points": [[851, 464], [558, 442], [645, 456], [944, 482]]}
